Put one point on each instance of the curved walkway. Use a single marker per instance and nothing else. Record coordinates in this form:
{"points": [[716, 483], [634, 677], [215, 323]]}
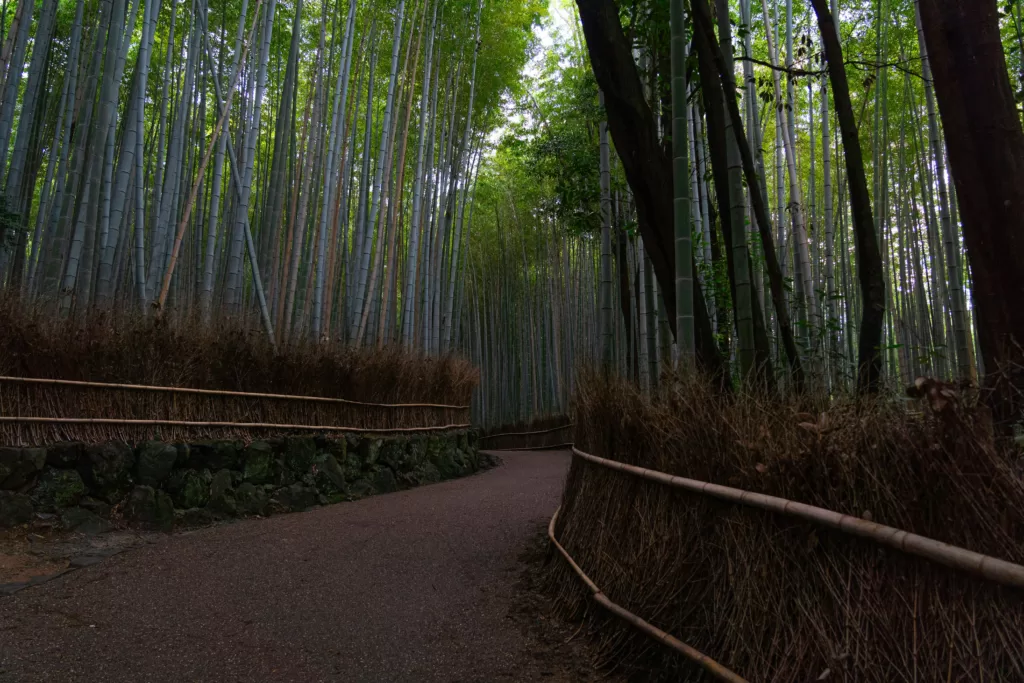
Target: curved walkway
{"points": [[411, 586]]}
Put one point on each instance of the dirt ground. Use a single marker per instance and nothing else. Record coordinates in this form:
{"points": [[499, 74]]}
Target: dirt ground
{"points": [[37, 552], [563, 649]]}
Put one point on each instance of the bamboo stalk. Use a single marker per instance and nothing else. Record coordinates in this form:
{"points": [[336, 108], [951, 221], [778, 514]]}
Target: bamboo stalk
{"points": [[695, 656], [987, 567], [191, 201], [218, 392]]}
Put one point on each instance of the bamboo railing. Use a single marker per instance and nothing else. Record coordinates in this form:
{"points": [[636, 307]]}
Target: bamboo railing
{"points": [[218, 392], [699, 658], [36, 411], [984, 566], [527, 440]]}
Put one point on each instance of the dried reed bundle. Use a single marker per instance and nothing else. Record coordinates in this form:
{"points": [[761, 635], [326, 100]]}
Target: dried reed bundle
{"points": [[778, 599], [232, 358], [231, 355]]}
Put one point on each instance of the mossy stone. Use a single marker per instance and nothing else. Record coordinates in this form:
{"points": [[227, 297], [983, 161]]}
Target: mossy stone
{"points": [[83, 521], [433, 448], [193, 517], [59, 489], [19, 466], [416, 452], [369, 450], [150, 507], [65, 455], [445, 460], [184, 453], [426, 474], [299, 453], [281, 474], [257, 459], [15, 508], [294, 498], [384, 480], [215, 455], [338, 447], [193, 490], [222, 499], [156, 460], [394, 454], [361, 488], [330, 476], [106, 469], [95, 506], [250, 499]]}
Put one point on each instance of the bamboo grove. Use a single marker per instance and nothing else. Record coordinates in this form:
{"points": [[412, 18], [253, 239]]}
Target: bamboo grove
{"points": [[798, 307], [305, 163], [422, 173]]}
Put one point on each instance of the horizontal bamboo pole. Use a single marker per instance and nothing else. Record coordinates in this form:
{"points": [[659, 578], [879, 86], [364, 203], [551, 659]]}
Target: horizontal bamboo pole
{"points": [[985, 566], [699, 658], [217, 392], [542, 431], [557, 446], [235, 425]]}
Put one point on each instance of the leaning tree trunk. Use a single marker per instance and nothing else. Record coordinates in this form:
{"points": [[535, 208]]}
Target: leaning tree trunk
{"points": [[955, 281], [706, 34], [605, 292], [869, 260], [985, 144], [647, 168]]}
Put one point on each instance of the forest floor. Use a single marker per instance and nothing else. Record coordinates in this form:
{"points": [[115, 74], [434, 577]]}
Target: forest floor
{"points": [[438, 583]]}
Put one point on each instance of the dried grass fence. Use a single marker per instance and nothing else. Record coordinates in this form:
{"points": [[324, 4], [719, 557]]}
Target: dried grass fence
{"points": [[38, 411], [544, 433], [207, 381], [229, 355], [773, 597]]}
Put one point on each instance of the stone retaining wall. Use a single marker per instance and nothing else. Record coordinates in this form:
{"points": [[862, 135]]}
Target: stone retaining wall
{"points": [[160, 485]]}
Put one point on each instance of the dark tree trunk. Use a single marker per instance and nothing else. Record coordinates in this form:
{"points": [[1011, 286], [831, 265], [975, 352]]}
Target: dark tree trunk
{"points": [[986, 159], [647, 168], [869, 259], [707, 45], [711, 88], [625, 299], [723, 295]]}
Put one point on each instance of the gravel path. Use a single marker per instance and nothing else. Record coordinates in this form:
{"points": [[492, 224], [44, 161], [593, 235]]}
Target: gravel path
{"points": [[411, 586]]}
